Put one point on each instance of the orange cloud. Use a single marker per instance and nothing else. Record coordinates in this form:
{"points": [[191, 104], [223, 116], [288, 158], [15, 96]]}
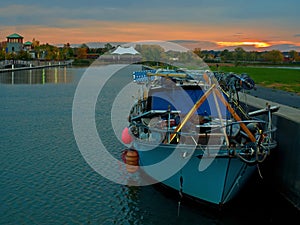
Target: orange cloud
{"points": [[84, 31], [257, 44]]}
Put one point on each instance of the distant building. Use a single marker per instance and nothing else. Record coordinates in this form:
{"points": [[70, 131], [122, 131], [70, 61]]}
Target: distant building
{"points": [[28, 47], [14, 43]]}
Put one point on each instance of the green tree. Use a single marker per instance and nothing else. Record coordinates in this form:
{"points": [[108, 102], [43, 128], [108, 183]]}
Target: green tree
{"points": [[153, 53], [239, 54], [23, 55], [274, 56], [66, 52], [226, 55], [2, 54], [252, 56], [108, 47]]}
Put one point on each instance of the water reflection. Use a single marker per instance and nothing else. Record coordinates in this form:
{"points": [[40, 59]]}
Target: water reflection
{"points": [[54, 75]]}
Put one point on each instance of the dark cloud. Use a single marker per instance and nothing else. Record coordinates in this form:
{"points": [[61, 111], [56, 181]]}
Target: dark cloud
{"points": [[184, 41], [238, 34], [284, 47], [280, 47], [244, 19], [192, 44], [201, 11]]}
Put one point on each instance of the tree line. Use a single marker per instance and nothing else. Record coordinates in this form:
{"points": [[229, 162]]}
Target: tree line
{"points": [[239, 55], [155, 53], [51, 52]]}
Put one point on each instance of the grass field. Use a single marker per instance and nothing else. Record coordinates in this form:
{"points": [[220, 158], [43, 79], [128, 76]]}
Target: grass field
{"points": [[287, 79]]}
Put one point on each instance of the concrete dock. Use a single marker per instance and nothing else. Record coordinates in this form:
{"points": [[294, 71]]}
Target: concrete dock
{"points": [[283, 171]]}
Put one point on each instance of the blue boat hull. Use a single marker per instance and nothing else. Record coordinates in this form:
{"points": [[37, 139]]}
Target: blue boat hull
{"points": [[218, 183]]}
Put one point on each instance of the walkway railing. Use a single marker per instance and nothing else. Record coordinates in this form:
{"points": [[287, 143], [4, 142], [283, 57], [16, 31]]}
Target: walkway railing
{"points": [[9, 65]]}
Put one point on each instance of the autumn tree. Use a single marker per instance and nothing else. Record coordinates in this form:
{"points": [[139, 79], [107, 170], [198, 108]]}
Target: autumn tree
{"points": [[11, 56], [198, 52], [294, 56], [35, 43], [47, 52]]}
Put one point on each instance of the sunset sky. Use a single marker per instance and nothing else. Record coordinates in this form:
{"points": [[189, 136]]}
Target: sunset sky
{"points": [[207, 24]]}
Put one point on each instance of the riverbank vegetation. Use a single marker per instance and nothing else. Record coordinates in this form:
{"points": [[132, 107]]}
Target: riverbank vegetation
{"points": [[82, 55]]}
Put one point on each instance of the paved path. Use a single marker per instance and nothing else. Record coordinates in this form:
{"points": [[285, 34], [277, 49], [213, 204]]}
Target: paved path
{"points": [[281, 97]]}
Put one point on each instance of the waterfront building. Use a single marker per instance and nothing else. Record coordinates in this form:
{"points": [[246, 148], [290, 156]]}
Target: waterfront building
{"points": [[14, 43]]}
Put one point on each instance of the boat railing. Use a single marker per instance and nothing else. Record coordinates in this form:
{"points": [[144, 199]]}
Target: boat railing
{"points": [[213, 142], [213, 133], [154, 113]]}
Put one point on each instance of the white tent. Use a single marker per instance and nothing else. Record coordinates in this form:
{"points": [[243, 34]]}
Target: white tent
{"points": [[121, 51]]}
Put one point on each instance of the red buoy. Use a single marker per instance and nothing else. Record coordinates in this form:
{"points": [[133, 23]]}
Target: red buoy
{"points": [[126, 137], [131, 158]]}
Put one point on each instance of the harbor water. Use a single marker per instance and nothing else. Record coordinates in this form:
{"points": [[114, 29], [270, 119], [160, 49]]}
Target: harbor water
{"points": [[46, 180]]}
